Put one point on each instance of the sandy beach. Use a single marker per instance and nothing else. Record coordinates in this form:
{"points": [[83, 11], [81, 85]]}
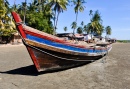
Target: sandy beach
{"points": [[18, 72]]}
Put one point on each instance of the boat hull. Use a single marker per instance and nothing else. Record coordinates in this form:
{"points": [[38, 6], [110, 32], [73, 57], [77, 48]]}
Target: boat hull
{"points": [[45, 60]]}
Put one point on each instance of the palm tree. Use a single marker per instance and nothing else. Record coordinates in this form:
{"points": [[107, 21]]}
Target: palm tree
{"points": [[25, 6], [90, 14], [46, 8], [74, 26], [82, 23], [100, 30], [108, 31], [85, 28], [89, 29], [65, 29], [58, 7], [79, 30], [95, 26], [78, 7]]}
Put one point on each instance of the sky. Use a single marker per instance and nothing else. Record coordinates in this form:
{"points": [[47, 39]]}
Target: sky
{"points": [[114, 13]]}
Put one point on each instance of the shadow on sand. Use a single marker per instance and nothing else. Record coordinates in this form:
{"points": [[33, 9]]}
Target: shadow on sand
{"points": [[31, 70]]}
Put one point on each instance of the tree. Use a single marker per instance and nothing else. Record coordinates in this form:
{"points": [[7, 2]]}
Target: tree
{"points": [[90, 14], [38, 15], [82, 23], [85, 28], [74, 26], [79, 30], [65, 29], [108, 31], [89, 29], [95, 26], [101, 30], [78, 7], [7, 28], [58, 7]]}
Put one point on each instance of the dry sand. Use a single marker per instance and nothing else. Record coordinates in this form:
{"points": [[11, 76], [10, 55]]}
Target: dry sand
{"points": [[17, 71]]}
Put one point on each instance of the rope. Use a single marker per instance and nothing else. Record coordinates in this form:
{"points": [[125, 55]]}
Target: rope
{"points": [[19, 23]]}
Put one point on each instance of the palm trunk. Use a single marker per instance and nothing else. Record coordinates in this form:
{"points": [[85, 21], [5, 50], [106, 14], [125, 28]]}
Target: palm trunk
{"points": [[24, 11], [57, 21], [14, 3], [54, 24], [76, 22], [74, 32], [76, 16]]}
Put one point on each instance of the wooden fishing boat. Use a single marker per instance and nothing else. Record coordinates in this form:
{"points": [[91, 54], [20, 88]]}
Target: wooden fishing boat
{"points": [[50, 52]]}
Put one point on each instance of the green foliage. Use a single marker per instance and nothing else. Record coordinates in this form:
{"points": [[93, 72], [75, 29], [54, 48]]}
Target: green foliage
{"points": [[37, 15], [7, 27], [78, 7], [74, 26], [65, 29], [95, 26], [85, 28], [7, 32], [40, 14], [123, 41], [108, 30], [37, 20], [58, 6], [79, 30]]}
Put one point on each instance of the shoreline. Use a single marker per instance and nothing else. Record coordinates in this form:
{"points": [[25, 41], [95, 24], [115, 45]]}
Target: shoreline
{"points": [[11, 45]]}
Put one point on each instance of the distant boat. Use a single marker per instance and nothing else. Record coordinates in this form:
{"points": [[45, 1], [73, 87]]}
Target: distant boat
{"points": [[49, 52]]}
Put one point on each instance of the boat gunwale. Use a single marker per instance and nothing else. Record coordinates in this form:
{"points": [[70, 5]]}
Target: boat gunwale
{"points": [[44, 35], [41, 45]]}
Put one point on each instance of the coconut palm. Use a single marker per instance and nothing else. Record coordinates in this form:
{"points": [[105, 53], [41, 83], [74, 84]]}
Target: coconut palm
{"points": [[85, 28], [90, 14], [108, 31], [101, 30], [78, 7], [79, 30], [89, 29], [25, 6], [65, 29], [74, 26], [49, 14], [82, 23], [58, 6], [95, 26]]}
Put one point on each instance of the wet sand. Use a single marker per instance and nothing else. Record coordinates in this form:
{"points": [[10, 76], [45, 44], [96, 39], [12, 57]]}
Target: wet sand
{"points": [[17, 71]]}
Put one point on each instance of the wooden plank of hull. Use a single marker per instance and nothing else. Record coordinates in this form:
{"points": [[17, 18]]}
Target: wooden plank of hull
{"points": [[44, 62], [33, 43]]}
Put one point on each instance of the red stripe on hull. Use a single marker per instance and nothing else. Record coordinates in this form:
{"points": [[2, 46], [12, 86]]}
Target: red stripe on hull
{"points": [[52, 39], [36, 63]]}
